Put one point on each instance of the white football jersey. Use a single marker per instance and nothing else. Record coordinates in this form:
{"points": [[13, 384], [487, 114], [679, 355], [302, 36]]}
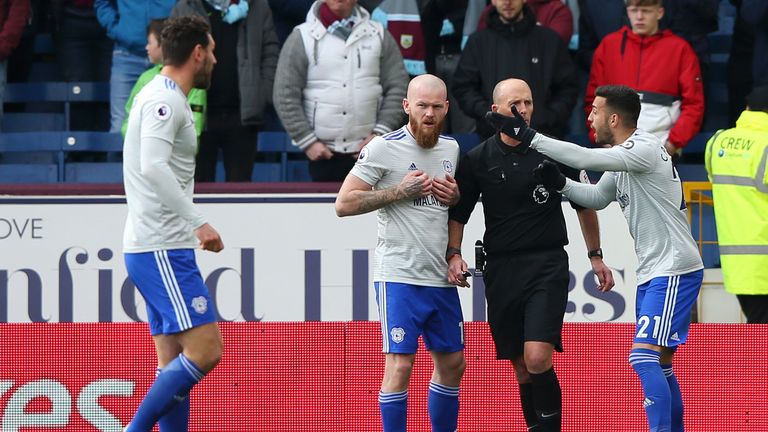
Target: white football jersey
{"points": [[159, 169], [413, 233], [640, 176]]}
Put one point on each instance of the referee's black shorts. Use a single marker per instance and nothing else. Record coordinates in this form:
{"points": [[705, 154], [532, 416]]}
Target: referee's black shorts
{"points": [[527, 294]]}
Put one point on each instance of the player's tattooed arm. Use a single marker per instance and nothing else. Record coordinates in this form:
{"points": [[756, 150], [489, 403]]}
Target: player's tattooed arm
{"points": [[355, 198]]}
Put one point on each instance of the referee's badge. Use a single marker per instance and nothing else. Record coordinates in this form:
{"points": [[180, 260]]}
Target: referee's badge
{"points": [[540, 194], [398, 334], [162, 111], [200, 304]]}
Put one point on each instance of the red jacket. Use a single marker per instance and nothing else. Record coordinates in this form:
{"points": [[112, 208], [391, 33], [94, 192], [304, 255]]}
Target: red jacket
{"points": [[663, 64], [13, 19]]}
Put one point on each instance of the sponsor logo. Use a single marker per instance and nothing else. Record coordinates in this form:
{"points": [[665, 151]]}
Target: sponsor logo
{"points": [[15, 416], [398, 334], [675, 337], [412, 167], [647, 402]]}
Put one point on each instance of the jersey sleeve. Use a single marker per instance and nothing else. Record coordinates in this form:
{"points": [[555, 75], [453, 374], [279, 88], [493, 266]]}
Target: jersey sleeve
{"points": [[577, 176], [596, 196], [371, 164], [160, 121], [634, 155]]}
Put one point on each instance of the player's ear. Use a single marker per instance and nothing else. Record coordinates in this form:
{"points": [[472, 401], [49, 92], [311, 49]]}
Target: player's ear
{"points": [[406, 106]]}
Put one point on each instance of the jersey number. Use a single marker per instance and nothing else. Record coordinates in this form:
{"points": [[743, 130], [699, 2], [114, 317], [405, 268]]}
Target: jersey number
{"points": [[643, 323]]}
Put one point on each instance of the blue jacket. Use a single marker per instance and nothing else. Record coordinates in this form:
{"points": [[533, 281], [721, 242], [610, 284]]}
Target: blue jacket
{"points": [[126, 20]]}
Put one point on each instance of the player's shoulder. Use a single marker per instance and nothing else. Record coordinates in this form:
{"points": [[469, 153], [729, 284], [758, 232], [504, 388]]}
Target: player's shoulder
{"points": [[642, 140], [395, 135]]}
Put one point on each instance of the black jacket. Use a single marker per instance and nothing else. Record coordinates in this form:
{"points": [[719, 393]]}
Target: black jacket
{"points": [[521, 50]]}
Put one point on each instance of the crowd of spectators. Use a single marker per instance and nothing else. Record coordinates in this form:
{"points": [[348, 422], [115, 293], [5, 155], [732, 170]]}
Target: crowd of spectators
{"points": [[332, 73]]}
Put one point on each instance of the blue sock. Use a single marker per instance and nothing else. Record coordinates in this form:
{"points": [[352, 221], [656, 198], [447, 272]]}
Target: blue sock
{"points": [[657, 402], [676, 398], [176, 419], [169, 389], [443, 404], [394, 410]]}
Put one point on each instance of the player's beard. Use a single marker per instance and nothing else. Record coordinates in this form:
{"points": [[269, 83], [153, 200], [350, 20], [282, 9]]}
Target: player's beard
{"points": [[426, 137], [202, 79], [604, 135]]}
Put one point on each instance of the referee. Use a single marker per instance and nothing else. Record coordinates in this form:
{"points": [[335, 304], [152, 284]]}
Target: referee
{"points": [[526, 274]]}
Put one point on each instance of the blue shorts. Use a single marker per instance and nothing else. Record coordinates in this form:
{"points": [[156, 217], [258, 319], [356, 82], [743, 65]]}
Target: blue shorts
{"points": [[408, 311], [663, 308], [170, 282]]}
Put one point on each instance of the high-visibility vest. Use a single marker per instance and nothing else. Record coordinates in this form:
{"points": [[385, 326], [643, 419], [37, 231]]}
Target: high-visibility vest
{"points": [[736, 163]]}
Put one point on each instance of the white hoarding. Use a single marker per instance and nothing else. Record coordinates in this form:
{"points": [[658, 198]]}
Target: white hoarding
{"points": [[287, 257]]}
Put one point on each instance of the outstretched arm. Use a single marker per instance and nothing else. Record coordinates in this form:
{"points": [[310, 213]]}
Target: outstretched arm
{"points": [[596, 196], [616, 158]]}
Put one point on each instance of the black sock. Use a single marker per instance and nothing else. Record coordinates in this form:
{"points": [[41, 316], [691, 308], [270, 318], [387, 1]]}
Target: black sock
{"points": [[548, 398], [529, 406]]}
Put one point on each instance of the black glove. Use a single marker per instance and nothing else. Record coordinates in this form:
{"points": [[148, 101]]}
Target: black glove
{"points": [[550, 175], [514, 126]]}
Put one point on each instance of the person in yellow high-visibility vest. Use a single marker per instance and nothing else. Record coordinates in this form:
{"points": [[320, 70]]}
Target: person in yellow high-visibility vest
{"points": [[736, 163]]}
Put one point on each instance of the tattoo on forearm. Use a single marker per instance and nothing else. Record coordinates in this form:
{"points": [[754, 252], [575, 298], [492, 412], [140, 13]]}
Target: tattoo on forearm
{"points": [[376, 199]]}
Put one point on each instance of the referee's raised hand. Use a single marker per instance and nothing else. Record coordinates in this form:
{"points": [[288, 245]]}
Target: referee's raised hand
{"points": [[515, 125]]}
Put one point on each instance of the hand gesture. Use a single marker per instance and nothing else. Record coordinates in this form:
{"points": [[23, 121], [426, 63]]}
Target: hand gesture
{"points": [[446, 190], [514, 126], [458, 271], [604, 275], [209, 238], [550, 176], [317, 151], [415, 184]]}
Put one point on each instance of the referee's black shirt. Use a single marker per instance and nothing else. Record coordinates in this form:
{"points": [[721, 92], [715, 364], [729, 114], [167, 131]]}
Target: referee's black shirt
{"points": [[520, 214]]}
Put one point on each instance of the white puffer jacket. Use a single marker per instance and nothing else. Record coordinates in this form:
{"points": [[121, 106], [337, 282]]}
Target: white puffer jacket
{"points": [[343, 90]]}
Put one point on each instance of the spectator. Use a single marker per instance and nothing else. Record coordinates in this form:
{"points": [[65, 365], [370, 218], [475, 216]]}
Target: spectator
{"points": [[241, 89], [692, 20], [84, 53], [735, 161], [13, 18], [403, 20], [739, 65], [549, 13], [287, 14], [755, 13], [340, 81], [513, 46], [196, 97], [125, 22], [597, 19], [662, 67], [442, 22]]}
